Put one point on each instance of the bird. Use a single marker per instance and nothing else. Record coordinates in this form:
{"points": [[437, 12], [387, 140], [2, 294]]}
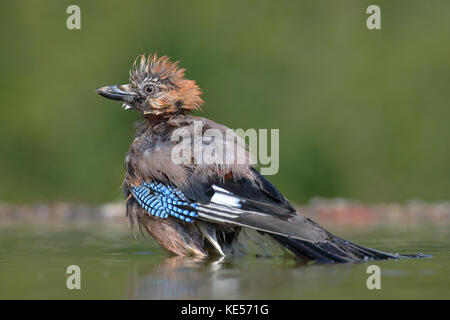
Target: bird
{"points": [[206, 209]]}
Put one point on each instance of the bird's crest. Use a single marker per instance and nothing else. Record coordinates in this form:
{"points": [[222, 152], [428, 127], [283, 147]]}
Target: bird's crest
{"points": [[161, 68]]}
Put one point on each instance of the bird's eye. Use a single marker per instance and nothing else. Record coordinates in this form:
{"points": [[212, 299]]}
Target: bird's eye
{"points": [[149, 89]]}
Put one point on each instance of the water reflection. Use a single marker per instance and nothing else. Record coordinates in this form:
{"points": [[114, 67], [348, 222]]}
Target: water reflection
{"points": [[181, 278], [231, 278]]}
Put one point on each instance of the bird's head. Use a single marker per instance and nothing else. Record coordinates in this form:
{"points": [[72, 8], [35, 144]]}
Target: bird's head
{"points": [[157, 88]]}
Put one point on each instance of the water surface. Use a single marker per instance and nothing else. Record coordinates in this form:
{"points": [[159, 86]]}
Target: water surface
{"points": [[114, 265]]}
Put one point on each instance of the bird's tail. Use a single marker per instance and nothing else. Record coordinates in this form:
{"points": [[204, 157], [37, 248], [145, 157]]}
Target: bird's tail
{"points": [[335, 250]]}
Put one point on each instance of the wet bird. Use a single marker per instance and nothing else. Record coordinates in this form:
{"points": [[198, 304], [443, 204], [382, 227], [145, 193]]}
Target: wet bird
{"points": [[207, 208]]}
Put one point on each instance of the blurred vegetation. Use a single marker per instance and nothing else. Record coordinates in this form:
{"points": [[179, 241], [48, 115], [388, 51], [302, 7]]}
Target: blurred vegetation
{"points": [[362, 114]]}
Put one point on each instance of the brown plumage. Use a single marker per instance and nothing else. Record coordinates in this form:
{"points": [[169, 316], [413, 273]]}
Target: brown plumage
{"points": [[149, 158]]}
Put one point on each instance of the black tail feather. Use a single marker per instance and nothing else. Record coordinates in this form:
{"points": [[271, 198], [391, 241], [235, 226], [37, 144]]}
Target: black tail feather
{"points": [[306, 250], [334, 250]]}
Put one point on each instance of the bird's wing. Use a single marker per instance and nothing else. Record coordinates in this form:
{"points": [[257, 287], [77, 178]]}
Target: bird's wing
{"points": [[254, 203]]}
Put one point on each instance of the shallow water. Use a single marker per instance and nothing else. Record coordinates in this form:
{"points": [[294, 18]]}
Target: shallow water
{"points": [[114, 265]]}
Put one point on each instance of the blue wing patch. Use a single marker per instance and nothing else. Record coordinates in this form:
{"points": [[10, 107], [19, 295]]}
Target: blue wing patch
{"points": [[161, 201]]}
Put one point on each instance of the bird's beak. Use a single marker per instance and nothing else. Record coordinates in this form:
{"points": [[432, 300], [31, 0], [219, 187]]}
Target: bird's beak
{"points": [[119, 93]]}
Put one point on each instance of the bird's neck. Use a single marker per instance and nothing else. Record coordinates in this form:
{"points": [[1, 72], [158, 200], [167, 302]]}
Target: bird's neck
{"points": [[153, 120]]}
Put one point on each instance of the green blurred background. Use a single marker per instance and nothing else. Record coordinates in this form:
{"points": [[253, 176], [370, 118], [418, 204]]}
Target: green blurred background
{"points": [[362, 114]]}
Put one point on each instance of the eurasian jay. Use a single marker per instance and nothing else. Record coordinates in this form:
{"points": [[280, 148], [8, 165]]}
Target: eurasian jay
{"points": [[205, 208]]}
